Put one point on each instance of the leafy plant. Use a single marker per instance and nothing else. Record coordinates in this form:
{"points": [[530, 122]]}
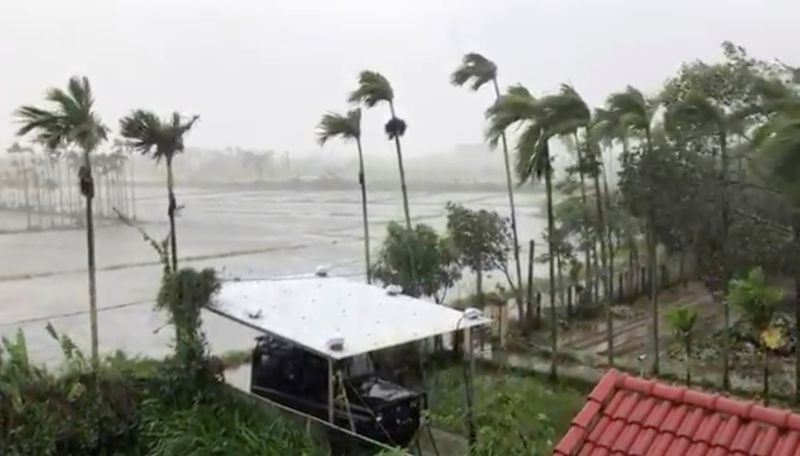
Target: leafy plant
{"points": [[681, 320]]}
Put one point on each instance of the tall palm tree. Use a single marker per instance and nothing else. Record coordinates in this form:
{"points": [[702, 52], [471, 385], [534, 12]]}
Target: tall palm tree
{"points": [[698, 112], [636, 114], [476, 70], [539, 120], [681, 320], [72, 120], [374, 88], [348, 127], [162, 139]]}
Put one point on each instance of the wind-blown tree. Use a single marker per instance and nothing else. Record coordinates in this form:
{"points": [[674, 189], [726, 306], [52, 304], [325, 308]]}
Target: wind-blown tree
{"points": [[539, 121], [757, 301], [72, 120], [374, 88], [476, 71], [696, 114], [636, 114], [436, 268], [777, 144], [681, 320], [348, 127], [162, 139], [481, 240]]}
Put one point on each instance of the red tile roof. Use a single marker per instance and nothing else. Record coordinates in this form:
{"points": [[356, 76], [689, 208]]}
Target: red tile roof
{"points": [[626, 415]]}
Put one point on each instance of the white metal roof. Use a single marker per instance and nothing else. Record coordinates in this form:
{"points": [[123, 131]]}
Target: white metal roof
{"points": [[310, 311]]}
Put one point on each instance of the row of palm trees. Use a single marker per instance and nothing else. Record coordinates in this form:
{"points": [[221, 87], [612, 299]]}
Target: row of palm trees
{"points": [[72, 121], [40, 184]]}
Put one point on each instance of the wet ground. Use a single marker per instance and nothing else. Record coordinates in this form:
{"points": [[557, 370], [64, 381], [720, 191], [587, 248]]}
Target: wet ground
{"points": [[242, 234]]}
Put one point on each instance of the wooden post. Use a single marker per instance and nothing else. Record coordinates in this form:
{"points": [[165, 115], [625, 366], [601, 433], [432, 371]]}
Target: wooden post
{"points": [[331, 392], [538, 307], [468, 387], [620, 292], [664, 276], [569, 301], [643, 280]]}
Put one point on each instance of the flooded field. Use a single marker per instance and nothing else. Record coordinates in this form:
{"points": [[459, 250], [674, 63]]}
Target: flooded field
{"points": [[246, 234]]}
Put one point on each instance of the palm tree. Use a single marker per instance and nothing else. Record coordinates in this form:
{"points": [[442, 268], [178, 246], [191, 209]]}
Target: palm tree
{"points": [[72, 121], [681, 320], [162, 139], [374, 88], [698, 112], [348, 127], [757, 301], [539, 121], [476, 70], [636, 113]]}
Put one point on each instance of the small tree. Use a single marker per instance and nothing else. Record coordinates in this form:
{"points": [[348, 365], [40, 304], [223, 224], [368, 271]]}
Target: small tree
{"points": [[681, 320], [757, 301], [435, 269], [481, 239]]}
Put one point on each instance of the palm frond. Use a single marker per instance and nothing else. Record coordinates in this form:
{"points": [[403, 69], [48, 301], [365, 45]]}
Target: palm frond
{"points": [[695, 111], [526, 157], [476, 69], [337, 125], [147, 133], [631, 107], [373, 88], [517, 105]]}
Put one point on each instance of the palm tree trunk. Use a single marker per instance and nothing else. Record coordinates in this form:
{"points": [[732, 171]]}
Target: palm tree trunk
{"points": [[403, 188], [586, 221], [512, 208], [726, 381], [363, 183], [171, 214], [688, 341], [89, 195], [606, 277], [766, 377], [406, 211], [653, 260], [561, 288], [550, 234]]}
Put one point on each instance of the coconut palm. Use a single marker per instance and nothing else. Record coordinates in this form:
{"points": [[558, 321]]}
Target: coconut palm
{"points": [[476, 70], [72, 121], [636, 114], [681, 320], [374, 88], [348, 127], [539, 121], [757, 301], [162, 139]]}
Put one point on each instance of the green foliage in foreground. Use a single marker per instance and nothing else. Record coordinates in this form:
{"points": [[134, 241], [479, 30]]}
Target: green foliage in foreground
{"points": [[514, 414]]}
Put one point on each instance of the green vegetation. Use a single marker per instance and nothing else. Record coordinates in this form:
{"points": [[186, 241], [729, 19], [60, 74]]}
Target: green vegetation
{"points": [[681, 320], [514, 414]]}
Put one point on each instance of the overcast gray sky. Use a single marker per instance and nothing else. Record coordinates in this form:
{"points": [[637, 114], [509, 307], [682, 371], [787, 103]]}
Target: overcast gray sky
{"points": [[261, 72]]}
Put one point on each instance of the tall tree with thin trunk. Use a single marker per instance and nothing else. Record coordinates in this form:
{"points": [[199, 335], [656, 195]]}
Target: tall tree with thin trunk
{"points": [[72, 120], [374, 88], [348, 127], [161, 139], [636, 113], [696, 112], [539, 121], [476, 71]]}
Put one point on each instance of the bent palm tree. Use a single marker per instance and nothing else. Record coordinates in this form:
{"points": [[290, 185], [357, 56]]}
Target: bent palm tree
{"points": [[147, 133], [72, 121], [374, 88], [348, 127], [539, 120], [476, 70], [636, 113]]}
